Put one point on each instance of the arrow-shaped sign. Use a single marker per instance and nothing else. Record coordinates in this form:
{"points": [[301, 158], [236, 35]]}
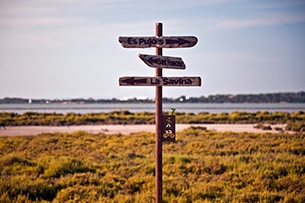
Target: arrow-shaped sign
{"points": [[180, 41], [160, 81], [162, 61], [133, 80], [159, 42]]}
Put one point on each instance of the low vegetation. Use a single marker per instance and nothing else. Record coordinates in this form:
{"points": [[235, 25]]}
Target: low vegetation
{"points": [[202, 166], [126, 117], [295, 121]]}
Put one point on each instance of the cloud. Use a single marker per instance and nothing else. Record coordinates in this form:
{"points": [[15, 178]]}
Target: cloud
{"points": [[33, 21], [35, 24], [266, 20], [237, 57], [279, 4]]}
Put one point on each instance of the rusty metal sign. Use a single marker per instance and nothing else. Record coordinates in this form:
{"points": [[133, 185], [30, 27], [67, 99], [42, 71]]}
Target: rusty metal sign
{"points": [[168, 128], [158, 42], [162, 61], [160, 81]]}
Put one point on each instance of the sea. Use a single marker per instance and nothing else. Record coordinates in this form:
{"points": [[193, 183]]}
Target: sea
{"points": [[150, 107]]}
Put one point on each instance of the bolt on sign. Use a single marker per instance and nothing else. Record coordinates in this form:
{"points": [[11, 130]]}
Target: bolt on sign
{"points": [[168, 128]]}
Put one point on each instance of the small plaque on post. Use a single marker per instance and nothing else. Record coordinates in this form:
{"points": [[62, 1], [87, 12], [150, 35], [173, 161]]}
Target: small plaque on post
{"points": [[168, 128]]}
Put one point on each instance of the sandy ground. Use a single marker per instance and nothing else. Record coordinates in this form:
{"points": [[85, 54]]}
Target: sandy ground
{"points": [[123, 129]]}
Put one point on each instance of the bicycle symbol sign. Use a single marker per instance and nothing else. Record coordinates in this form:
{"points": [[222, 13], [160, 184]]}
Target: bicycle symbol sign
{"points": [[169, 133], [168, 128]]}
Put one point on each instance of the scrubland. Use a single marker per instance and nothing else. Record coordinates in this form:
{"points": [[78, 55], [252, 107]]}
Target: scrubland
{"points": [[201, 166]]}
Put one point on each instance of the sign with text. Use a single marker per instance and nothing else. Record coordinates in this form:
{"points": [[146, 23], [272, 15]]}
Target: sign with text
{"points": [[165, 125], [168, 128], [162, 61], [158, 42], [160, 81]]}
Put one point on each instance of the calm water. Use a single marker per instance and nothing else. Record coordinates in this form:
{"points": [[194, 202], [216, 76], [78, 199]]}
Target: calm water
{"points": [[180, 107]]}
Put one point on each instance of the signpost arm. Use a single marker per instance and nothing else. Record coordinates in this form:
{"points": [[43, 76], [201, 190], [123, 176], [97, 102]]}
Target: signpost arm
{"points": [[158, 101]]}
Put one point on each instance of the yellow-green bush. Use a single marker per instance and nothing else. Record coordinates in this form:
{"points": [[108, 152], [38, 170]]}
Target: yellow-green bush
{"points": [[126, 117], [203, 166]]}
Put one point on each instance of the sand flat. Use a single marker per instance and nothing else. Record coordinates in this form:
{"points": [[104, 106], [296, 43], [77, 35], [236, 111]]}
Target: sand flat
{"points": [[124, 129]]}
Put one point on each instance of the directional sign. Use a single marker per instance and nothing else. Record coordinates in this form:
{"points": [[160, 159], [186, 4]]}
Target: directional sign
{"points": [[160, 81], [162, 61], [168, 128], [159, 42]]}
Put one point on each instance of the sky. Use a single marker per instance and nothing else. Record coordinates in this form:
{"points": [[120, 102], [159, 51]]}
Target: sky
{"points": [[55, 49]]}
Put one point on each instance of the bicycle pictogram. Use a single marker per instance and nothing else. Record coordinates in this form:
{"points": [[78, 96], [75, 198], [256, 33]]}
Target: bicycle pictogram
{"points": [[168, 133]]}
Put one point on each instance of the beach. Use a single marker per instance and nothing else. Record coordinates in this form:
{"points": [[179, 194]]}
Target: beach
{"points": [[126, 129]]}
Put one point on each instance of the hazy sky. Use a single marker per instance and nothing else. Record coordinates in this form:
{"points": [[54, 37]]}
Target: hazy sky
{"points": [[69, 49]]}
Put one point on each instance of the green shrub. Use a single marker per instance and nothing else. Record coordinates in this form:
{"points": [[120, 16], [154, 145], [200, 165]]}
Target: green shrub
{"points": [[126, 117], [65, 165], [297, 126]]}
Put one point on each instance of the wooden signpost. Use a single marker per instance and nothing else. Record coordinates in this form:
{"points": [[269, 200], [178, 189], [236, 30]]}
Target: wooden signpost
{"points": [[160, 81], [158, 42], [165, 124]]}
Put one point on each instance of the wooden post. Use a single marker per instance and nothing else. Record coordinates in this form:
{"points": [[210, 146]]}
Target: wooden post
{"points": [[158, 101], [159, 41]]}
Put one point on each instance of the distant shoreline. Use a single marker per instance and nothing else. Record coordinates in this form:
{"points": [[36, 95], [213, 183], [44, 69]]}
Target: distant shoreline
{"points": [[281, 97]]}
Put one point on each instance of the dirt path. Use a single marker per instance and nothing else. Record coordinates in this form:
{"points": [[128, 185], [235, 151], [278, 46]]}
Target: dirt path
{"points": [[123, 129]]}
